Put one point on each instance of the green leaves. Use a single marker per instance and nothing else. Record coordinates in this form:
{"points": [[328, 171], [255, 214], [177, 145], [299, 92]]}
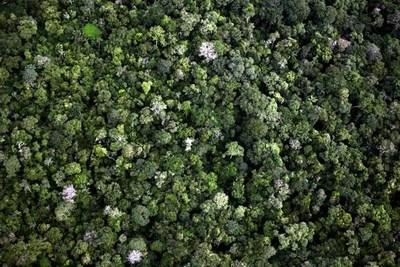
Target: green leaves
{"points": [[234, 149], [12, 166], [146, 86], [283, 151], [72, 168], [140, 215], [91, 31], [27, 27]]}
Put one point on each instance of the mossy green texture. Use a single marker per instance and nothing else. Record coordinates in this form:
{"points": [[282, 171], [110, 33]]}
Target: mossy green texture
{"points": [[200, 133], [91, 31]]}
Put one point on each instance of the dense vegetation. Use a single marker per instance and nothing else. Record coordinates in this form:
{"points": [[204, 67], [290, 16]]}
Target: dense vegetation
{"points": [[200, 133]]}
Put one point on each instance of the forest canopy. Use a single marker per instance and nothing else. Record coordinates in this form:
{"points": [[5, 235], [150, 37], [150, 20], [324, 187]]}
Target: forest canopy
{"points": [[232, 133]]}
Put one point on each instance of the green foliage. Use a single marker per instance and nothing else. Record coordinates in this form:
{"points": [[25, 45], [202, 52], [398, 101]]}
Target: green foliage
{"points": [[296, 236], [72, 168], [199, 133], [234, 149], [27, 27], [140, 215], [146, 86], [12, 166], [30, 75], [91, 31]]}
